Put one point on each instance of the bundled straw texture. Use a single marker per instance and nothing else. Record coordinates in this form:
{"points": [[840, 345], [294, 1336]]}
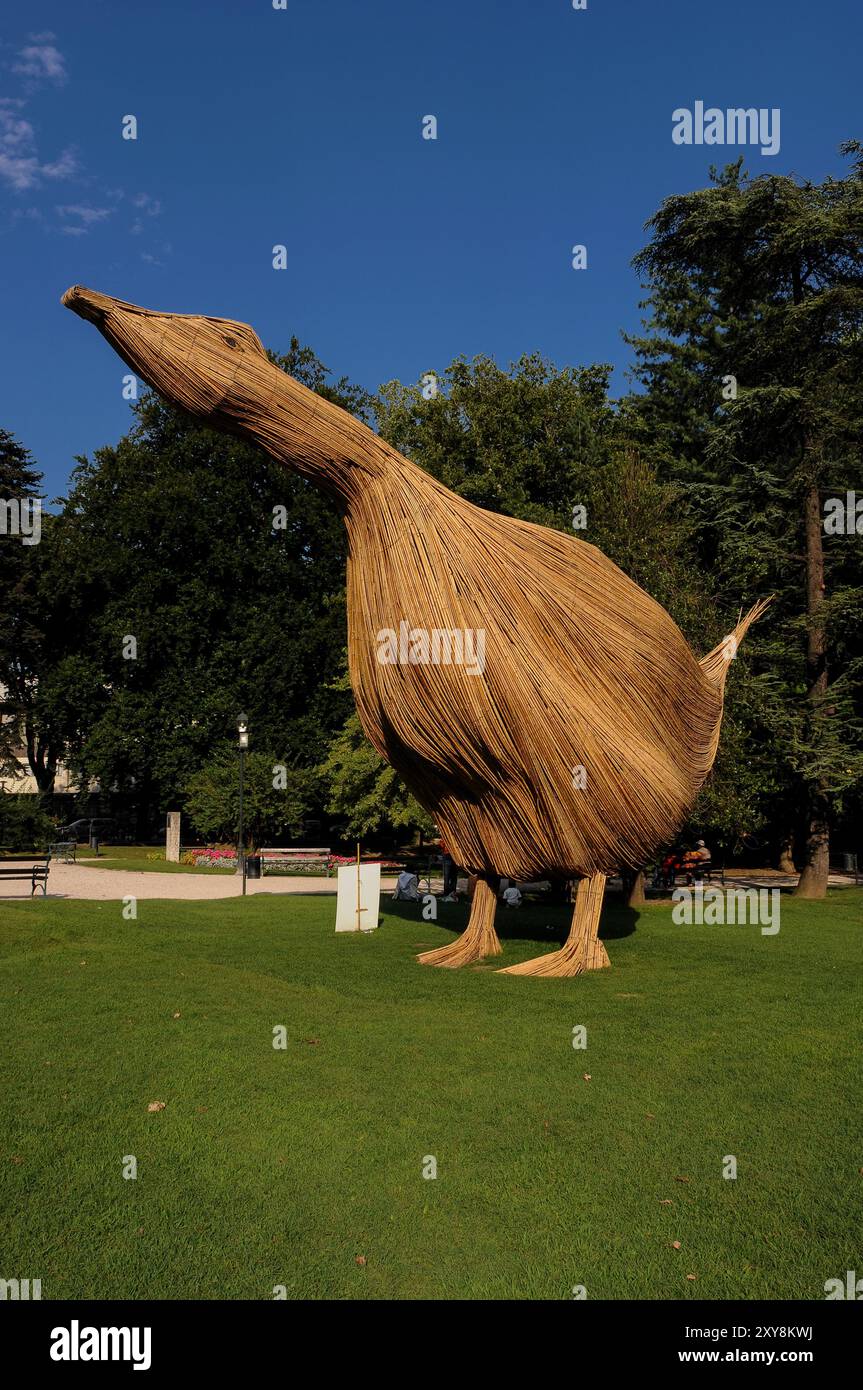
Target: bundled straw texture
{"points": [[564, 726]]}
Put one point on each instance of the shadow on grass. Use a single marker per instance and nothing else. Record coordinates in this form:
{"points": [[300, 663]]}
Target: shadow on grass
{"points": [[544, 922]]}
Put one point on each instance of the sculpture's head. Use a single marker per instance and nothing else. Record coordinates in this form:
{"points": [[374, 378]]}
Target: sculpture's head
{"points": [[218, 370], [204, 365]]}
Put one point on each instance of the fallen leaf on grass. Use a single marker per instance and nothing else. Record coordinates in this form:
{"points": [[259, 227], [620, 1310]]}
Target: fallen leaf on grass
{"points": [[587, 1076], [360, 1260], [313, 1042], [683, 1180], [156, 1105], [675, 1245], [177, 1015], [666, 1202], [692, 1277]]}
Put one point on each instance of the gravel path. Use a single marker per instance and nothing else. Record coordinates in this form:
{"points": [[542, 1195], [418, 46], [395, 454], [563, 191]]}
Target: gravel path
{"points": [[79, 881]]}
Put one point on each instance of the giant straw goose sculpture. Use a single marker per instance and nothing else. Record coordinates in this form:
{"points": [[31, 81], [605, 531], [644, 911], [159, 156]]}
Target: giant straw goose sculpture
{"points": [[545, 710]]}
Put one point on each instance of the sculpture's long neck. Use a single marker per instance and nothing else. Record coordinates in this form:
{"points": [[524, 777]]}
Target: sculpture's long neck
{"points": [[308, 433]]}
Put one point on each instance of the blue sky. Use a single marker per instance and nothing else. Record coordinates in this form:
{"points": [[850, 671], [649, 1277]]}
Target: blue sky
{"points": [[304, 127]]}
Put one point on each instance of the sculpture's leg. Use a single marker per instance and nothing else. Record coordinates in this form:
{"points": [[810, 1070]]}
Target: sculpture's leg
{"points": [[582, 950], [479, 938]]}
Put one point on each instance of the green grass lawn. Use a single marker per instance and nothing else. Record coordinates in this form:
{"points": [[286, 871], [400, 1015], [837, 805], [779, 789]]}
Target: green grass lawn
{"points": [[155, 866], [119, 851], [135, 857], [273, 1167]]}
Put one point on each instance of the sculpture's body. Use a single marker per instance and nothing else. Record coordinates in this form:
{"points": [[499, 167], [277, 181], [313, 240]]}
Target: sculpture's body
{"points": [[580, 669]]}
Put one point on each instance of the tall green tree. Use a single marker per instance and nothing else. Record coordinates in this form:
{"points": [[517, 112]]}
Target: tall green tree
{"points": [[30, 625], [275, 798], [752, 367], [367, 795], [524, 441], [198, 578]]}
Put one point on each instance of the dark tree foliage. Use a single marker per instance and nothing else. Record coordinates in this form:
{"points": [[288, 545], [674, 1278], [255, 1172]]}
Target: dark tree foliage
{"points": [[27, 628], [227, 570], [753, 373]]}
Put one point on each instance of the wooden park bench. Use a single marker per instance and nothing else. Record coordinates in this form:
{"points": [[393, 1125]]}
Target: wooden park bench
{"points": [[708, 871], [36, 874], [274, 856], [64, 850]]}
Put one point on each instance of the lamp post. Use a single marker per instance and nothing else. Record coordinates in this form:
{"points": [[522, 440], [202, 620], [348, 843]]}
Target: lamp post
{"points": [[243, 733]]}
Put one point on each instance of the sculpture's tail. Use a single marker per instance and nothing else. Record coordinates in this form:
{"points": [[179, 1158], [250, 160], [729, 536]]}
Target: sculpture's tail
{"points": [[715, 664]]}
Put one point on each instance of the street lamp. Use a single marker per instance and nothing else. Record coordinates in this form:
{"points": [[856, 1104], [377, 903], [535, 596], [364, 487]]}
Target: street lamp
{"points": [[243, 733]]}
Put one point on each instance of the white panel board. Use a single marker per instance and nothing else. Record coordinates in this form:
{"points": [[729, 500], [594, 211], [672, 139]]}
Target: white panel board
{"points": [[366, 894]]}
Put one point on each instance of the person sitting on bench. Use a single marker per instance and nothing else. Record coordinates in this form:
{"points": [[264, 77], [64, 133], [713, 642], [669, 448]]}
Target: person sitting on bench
{"points": [[697, 862]]}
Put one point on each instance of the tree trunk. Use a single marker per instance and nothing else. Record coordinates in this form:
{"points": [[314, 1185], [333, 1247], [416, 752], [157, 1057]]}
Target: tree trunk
{"points": [[633, 887], [813, 879], [785, 858], [42, 759]]}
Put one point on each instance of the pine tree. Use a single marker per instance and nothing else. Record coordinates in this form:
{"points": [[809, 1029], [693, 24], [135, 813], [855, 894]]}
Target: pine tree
{"points": [[752, 366]]}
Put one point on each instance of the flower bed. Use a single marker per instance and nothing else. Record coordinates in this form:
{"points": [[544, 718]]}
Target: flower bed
{"points": [[304, 864], [225, 857], [211, 857]]}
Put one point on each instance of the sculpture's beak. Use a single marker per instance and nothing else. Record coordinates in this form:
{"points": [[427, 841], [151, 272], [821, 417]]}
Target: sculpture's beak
{"points": [[88, 304], [183, 356], [212, 367]]}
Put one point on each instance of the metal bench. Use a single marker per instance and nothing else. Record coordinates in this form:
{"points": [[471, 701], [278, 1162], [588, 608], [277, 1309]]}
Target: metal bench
{"points": [[64, 850], [36, 874]]}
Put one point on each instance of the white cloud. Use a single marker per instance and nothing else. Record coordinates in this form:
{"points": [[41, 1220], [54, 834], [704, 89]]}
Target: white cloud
{"points": [[151, 206], [41, 60], [20, 165], [86, 214], [16, 135], [62, 168], [20, 174], [87, 217], [23, 169]]}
